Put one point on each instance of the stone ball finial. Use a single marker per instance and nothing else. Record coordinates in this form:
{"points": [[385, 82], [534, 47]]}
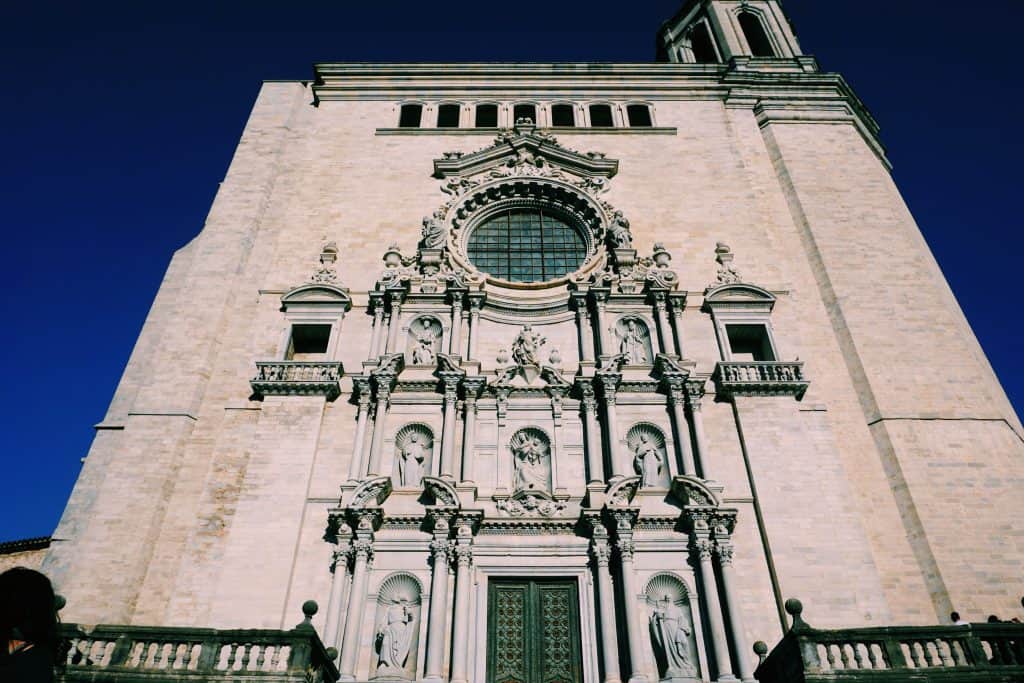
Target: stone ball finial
{"points": [[761, 650], [332, 654], [795, 608], [59, 601], [309, 608]]}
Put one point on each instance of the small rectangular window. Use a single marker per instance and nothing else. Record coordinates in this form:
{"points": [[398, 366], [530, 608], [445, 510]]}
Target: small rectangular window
{"points": [[308, 342], [448, 116], [524, 111], [749, 343], [410, 116], [639, 116], [487, 116], [601, 116], [563, 115]]}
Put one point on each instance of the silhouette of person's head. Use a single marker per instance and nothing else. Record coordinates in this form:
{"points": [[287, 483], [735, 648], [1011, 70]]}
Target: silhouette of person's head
{"points": [[28, 610]]}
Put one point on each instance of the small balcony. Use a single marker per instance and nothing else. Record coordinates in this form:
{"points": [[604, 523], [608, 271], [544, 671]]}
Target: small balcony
{"points": [[761, 378], [986, 653], [297, 378]]}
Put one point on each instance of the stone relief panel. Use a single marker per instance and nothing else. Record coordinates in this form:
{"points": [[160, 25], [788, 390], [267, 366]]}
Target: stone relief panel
{"points": [[634, 340], [531, 460], [414, 448], [396, 628], [670, 622], [650, 457], [424, 341]]}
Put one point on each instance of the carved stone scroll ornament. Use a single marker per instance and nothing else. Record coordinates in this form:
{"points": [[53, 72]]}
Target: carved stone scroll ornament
{"points": [[371, 492], [441, 491], [621, 493], [727, 273], [530, 504]]}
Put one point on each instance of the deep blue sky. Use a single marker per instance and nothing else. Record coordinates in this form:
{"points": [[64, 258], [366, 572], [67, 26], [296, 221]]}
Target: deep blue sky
{"points": [[118, 121]]}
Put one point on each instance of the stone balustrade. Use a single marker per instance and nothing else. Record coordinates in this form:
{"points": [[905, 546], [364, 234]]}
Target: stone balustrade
{"points": [[975, 652], [297, 378], [761, 378]]}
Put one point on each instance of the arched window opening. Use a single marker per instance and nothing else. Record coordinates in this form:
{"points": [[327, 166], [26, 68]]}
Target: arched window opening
{"points": [[410, 116], [703, 45], [486, 116], [639, 116], [524, 111], [448, 116], [563, 115], [526, 245], [601, 116], [757, 38]]}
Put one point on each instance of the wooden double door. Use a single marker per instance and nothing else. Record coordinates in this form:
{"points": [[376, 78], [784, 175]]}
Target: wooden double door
{"points": [[533, 631]]}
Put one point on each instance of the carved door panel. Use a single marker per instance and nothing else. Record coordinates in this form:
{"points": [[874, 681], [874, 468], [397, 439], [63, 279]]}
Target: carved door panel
{"points": [[533, 632]]}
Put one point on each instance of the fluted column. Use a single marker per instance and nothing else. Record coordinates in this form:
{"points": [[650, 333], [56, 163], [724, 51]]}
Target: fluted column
{"points": [[661, 317], [677, 400], [455, 340], [476, 302], [601, 551], [695, 394], [360, 385], [377, 306], [380, 415], [437, 626], [724, 551], [362, 554], [583, 326], [595, 454], [704, 547], [609, 386], [451, 397], [638, 661], [395, 319], [463, 587], [471, 388], [600, 307]]}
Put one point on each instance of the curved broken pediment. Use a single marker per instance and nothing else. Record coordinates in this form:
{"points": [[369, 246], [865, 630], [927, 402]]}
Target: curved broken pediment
{"points": [[442, 492], [371, 492], [693, 492]]}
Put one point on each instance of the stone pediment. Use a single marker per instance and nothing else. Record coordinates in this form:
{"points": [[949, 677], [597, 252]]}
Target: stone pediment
{"points": [[524, 151], [739, 295], [530, 376], [317, 294]]}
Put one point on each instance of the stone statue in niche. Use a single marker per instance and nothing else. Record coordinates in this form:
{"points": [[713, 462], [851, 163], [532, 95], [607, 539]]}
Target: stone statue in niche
{"points": [[531, 458], [410, 464], [670, 631], [526, 347], [394, 639], [423, 348], [632, 345], [647, 462], [619, 235], [433, 236]]}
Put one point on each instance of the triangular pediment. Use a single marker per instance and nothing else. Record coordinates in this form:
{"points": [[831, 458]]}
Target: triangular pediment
{"points": [[525, 151]]}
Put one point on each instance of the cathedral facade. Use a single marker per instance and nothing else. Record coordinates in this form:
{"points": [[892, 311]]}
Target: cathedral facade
{"points": [[554, 372]]}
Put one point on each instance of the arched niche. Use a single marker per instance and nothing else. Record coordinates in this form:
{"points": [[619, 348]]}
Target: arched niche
{"points": [[424, 341], [414, 453], [633, 336], [396, 627], [531, 460], [649, 448], [672, 628]]}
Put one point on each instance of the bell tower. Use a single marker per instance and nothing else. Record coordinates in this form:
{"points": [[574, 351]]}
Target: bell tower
{"points": [[713, 31]]}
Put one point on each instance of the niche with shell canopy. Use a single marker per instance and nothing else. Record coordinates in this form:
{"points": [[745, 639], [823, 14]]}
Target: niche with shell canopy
{"points": [[633, 338], [424, 341], [531, 460], [414, 451], [396, 628], [672, 628], [649, 450]]}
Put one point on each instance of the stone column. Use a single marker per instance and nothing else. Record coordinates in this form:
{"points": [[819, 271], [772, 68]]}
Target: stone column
{"points": [[360, 385], [471, 388], [724, 550], [339, 579], [451, 397], [600, 306], [601, 551], [609, 385], [595, 454], [476, 302], [380, 415], [704, 546], [638, 661], [463, 587], [455, 340], [677, 400], [695, 392], [362, 554], [661, 317], [437, 627], [504, 456], [395, 319], [377, 306], [678, 304], [584, 328]]}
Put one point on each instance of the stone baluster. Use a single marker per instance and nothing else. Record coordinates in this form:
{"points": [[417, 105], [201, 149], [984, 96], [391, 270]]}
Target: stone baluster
{"points": [[601, 551], [609, 386], [463, 587], [451, 397], [437, 626], [395, 319], [676, 385], [455, 340], [361, 386], [583, 327], [361, 552], [661, 317], [695, 394], [380, 415], [724, 548], [704, 547], [677, 304], [595, 454], [476, 302], [377, 307], [600, 307], [638, 660], [471, 387]]}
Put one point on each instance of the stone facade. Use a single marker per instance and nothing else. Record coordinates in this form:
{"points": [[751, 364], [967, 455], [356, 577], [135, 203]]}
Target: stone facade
{"points": [[755, 384]]}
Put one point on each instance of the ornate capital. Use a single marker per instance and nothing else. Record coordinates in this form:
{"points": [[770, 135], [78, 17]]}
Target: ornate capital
{"points": [[609, 385], [441, 549], [601, 552], [626, 548], [695, 393], [704, 547], [725, 553], [463, 555], [362, 548]]}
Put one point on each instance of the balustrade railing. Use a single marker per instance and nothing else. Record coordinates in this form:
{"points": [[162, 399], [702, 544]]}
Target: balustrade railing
{"points": [[761, 378], [297, 378]]}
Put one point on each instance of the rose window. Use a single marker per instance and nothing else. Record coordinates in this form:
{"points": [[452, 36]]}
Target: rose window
{"points": [[526, 245]]}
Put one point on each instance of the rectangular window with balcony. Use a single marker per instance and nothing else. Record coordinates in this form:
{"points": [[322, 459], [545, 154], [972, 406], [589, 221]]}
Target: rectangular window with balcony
{"points": [[308, 342], [749, 343]]}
